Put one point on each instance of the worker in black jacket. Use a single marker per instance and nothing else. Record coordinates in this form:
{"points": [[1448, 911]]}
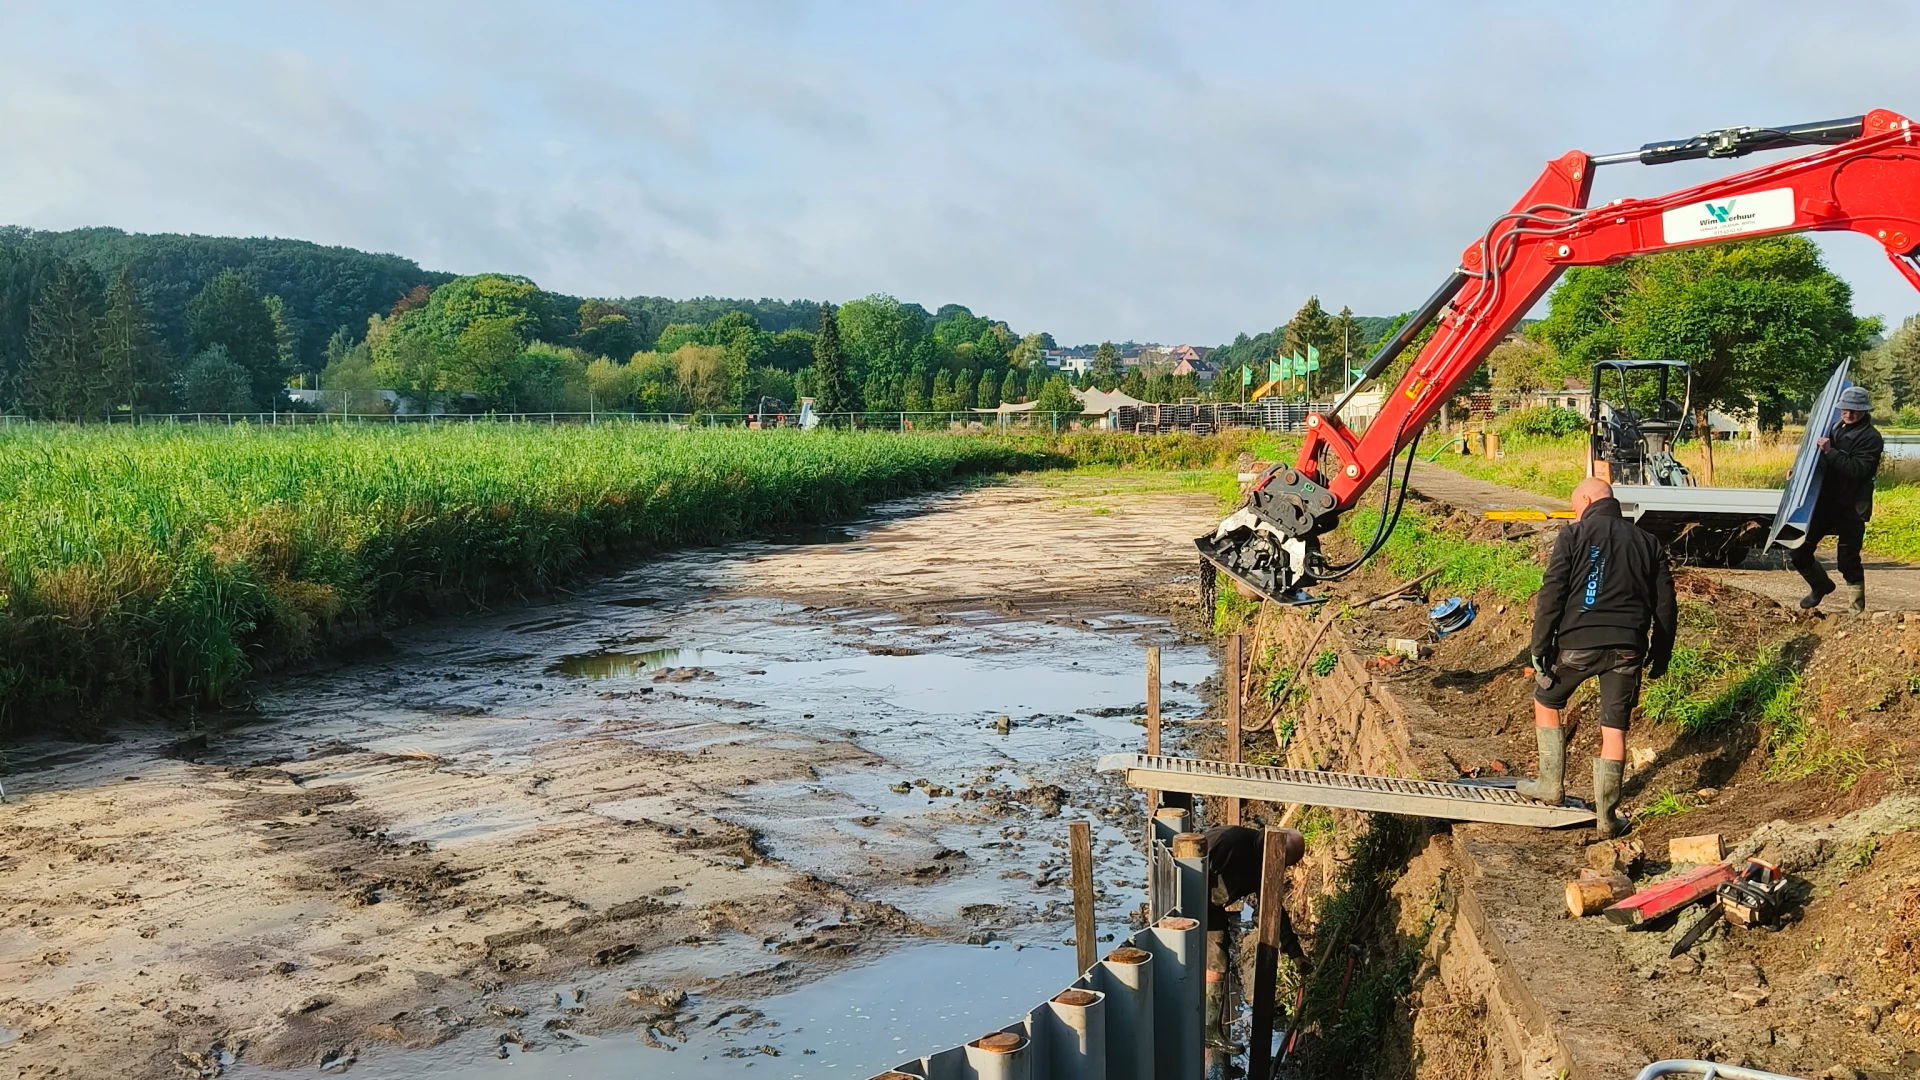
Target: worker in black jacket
{"points": [[1235, 858], [1605, 610], [1849, 458]]}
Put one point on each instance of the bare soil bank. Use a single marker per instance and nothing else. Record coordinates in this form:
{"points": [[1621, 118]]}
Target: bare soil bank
{"points": [[1507, 985], [470, 834]]}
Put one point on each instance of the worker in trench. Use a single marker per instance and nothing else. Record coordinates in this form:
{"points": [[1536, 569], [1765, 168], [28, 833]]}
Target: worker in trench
{"points": [[1605, 611], [1234, 859], [1849, 459]]}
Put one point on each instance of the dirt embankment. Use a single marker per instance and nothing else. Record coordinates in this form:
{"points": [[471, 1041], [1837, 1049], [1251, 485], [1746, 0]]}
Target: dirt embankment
{"points": [[1505, 984], [464, 837]]}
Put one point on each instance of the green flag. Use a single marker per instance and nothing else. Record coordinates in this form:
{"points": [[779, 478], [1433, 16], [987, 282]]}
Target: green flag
{"points": [[1273, 371], [1246, 376], [1284, 367], [1299, 365], [1313, 358]]}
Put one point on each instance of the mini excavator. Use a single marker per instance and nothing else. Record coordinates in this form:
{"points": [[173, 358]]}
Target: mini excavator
{"points": [[1863, 176]]}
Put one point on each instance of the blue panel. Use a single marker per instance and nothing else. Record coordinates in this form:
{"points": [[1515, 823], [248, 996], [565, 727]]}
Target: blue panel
{"points": [[1803, 483]]}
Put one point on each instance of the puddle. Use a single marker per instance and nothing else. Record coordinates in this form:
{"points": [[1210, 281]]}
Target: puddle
{"points": [[852, 1024], [614, 665], [8, 1037]]}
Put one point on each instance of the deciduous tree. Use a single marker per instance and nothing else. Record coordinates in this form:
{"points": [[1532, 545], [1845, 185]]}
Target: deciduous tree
{"points": [[231, 313], [1762, 322]]}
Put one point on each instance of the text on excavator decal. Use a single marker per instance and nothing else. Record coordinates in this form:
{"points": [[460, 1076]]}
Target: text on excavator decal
{"points": [[1729, 217]]}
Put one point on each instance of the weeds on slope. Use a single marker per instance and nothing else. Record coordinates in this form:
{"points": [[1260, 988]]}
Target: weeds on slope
{"points": [[1420, 543]]}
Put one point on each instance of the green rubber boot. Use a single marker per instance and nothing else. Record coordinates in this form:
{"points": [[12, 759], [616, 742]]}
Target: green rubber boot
{"points": [[1551, 786], [1606, 797], [1857, 604]]}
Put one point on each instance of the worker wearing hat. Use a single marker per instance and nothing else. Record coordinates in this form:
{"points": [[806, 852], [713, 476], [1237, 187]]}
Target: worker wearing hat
{"points": [[1849, 458]]}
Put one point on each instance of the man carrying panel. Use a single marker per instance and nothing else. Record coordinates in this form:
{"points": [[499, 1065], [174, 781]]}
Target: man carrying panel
{"points": [[1849, 459], [1606, 610]]}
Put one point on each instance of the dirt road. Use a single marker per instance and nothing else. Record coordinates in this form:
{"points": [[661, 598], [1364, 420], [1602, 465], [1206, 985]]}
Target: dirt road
{"points": [[726, 772], [1891, 586]]}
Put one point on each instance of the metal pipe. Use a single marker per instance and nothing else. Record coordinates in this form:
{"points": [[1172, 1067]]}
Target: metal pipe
{"points": [[1125, 976], [1002, 1055], [1076, 1025], [1401, 339], [1179, 996], [1712, 1070]]}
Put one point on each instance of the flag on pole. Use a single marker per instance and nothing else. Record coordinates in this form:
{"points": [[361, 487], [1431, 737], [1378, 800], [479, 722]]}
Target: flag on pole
{"points": [[1246, 376], [1273, 371], [1313, 358], [1284, 366], [1299, 365]]}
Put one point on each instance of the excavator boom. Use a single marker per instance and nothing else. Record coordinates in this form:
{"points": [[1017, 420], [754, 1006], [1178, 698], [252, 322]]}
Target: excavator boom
{"points": [[1863, 177]]}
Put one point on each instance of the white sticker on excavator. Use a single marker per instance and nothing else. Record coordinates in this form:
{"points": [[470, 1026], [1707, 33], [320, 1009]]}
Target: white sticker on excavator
{"points": [[1757, 212]]}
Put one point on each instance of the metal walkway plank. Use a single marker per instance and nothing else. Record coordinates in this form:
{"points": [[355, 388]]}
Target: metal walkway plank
{"points": [[1346, 791]]}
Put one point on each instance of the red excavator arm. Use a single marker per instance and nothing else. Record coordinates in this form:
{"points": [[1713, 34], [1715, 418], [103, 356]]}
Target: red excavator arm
{"points": [[1865, 178]]}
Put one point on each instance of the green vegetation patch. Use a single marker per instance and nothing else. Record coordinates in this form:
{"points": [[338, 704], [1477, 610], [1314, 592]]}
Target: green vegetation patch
{"points": [[171, 562], [1420, 543], [1705, 689]]}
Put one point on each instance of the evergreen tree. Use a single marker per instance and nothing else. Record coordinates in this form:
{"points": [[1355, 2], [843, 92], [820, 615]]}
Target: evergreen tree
{"points": [[832, 384], [914, 399], [1349, 341], [988, 396], [1135, 384], [1010, 387], [1105, 372], [230, 312], [943, 396], [212, 383], [964, 390], [133, 359], [1036, 381], [283, 348], [1056, 401], [62, 378]]}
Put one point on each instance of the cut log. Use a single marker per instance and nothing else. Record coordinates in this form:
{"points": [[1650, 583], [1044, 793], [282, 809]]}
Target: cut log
{"points": [[1590, 895], [1669, 896], [1705, 848]]}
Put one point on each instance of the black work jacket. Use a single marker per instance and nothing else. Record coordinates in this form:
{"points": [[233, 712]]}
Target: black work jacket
{"points": [[1607, 586], [1847, 468]]}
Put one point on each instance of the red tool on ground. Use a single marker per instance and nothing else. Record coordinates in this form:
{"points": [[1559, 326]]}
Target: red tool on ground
{"points": [[1670, 896], [1864, 177]]}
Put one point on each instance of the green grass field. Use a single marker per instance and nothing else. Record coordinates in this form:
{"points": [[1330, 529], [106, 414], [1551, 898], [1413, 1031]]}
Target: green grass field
{"points": [[166, 564], [1551, 466]]}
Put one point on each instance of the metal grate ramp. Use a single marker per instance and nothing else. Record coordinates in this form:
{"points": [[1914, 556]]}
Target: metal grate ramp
{"points": [[1348, 791]]}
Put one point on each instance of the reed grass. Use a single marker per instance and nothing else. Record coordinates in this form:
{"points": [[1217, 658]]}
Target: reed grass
{"points": [[166, 564]]}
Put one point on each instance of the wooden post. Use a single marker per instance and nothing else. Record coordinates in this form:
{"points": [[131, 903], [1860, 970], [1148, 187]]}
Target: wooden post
{"points": [[1266, 957], [1153, 727], [1233, 718], [1080, 852]]}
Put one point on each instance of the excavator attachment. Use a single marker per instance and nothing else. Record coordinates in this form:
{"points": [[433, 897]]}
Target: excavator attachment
{"points": [[1270, 543]]}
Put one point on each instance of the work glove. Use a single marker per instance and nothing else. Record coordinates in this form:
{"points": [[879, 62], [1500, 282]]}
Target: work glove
{"points": [[1541, 676], [1658, 668]]}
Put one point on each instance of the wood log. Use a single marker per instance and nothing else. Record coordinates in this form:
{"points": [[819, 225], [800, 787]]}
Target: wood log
{"points": [[1591, 895], [1705, 848]]}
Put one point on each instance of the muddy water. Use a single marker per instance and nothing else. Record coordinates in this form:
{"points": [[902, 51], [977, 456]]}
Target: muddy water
{"points": [[898, 819]]}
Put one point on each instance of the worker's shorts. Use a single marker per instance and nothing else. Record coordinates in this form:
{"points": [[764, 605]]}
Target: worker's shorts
{"points": [[1617, 669]]}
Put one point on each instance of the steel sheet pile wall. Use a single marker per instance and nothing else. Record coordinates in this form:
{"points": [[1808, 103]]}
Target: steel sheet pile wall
{"points": [[1135, 1015]]}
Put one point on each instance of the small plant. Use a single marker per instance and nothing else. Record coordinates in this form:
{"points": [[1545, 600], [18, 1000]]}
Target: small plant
{"points": [[1863, 853], [1231, 610], [1324, 664], [1668, 805]]}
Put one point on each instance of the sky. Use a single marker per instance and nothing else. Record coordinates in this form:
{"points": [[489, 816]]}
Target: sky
{"points": [[1099, 169]]}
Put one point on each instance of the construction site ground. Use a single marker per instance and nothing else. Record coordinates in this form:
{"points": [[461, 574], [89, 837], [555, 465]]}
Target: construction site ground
{"points": [[1514, 987], [625, 817]]}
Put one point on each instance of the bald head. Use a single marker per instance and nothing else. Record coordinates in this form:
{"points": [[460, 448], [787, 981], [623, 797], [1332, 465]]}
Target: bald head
{"points": [[1590, 491]]}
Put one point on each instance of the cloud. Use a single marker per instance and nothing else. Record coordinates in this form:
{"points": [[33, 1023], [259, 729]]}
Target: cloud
{"points": [[1136, 169]]}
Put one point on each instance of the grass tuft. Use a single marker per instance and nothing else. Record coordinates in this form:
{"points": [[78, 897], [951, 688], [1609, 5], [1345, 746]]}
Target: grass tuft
{"points": [[1419, 544]]}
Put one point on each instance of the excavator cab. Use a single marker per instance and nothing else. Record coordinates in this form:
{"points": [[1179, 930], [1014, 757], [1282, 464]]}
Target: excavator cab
{"points": [[1634, 419]]}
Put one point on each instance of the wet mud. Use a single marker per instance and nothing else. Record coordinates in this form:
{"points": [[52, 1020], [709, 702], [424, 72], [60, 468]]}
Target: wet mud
{"points": [[734, 805]]}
